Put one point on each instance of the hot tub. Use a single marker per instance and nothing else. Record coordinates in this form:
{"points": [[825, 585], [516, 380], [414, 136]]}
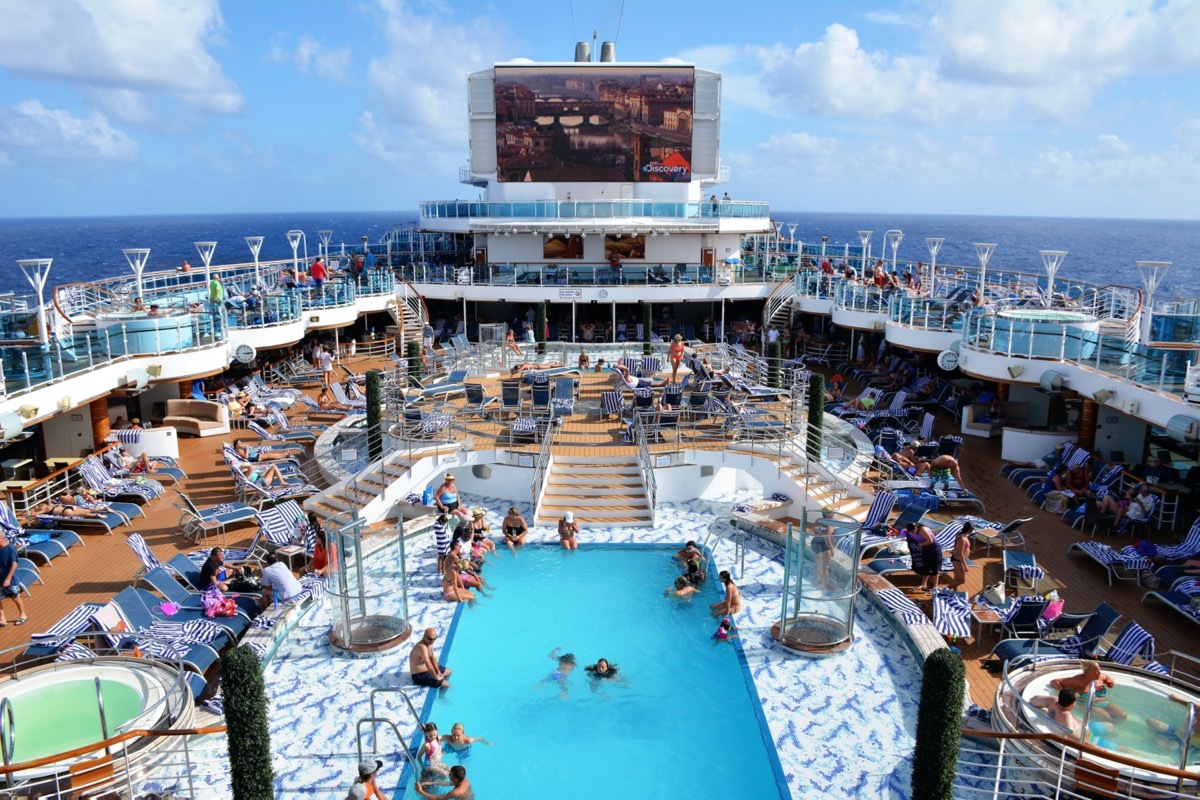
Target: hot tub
{"points": [[56, 709], [1140, 698]]}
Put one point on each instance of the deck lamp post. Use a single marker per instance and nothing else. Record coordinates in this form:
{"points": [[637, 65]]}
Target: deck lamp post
{"points": [[1052, 260], [324, 235], [36, 271], [984, 252], [865, 238], [136, 256], [894, 238], [255, 244], [364, 241], [824, 242], [1152, 273], [294, 237], [205, 249], [934, 244]]}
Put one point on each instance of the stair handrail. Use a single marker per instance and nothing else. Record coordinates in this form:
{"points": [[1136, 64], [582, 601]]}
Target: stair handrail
{"points": [[541, 466], [374, 721], [645, 464], [739, 543]]}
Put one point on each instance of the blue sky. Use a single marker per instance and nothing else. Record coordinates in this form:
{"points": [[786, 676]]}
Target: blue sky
{"points": [[1026, 107]]}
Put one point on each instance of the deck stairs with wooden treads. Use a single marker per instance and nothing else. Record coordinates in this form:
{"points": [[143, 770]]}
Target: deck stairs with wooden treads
{"points": [[354, 494], [821, 489], [606, 492]]}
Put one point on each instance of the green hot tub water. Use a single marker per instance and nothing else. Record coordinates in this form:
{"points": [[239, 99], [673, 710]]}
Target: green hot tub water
{"points": [[64, 716]]}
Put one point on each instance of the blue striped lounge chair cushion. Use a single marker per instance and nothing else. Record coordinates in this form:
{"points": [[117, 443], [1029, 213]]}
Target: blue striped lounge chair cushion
{"points": [[651, 365], [73, 652], [524, 425], [631, 364], [612, 403], [129, 436], [901, 607], [69, 626], [951, 614]]}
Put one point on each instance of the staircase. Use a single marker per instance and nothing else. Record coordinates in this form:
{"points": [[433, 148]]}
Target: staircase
{"points": [[409, 314], [602, 492], [351, 495], [777, 311], [822, 491]]}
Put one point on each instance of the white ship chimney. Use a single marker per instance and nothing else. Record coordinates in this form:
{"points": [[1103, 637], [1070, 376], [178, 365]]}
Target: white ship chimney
{"points": [[608, 52], [583, 52]]}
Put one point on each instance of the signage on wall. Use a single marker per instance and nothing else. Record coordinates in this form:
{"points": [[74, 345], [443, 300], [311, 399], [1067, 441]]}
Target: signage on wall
{"points": [[570, 294]]}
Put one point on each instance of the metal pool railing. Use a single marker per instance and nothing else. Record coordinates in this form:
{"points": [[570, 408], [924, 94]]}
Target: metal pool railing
{"points": [[645, 464]]}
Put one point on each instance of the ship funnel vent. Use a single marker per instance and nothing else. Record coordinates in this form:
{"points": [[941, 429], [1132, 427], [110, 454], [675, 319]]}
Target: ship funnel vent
{"points": [[608, 52], [583, 52]]}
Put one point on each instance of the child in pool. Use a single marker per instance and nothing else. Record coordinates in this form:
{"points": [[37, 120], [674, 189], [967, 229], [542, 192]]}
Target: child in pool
{"points": [[430, 753], [566, 665], [602, 670], [458, 741], [725, 631]]}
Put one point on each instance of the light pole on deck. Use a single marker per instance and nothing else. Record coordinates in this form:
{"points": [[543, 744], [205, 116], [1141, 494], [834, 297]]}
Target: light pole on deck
{"points": [[255, 244], [1052, 260], [984, 251], [136, 256], [865, 238], [894, 238], [1152, 273], [934, 244], [36, 271]]}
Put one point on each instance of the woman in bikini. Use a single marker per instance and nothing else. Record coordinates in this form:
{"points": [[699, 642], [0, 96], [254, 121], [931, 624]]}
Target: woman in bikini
{"points": [[732, 604], [515, 529], [453, 587], [59, 509], [568, 532], [959, 555], [675, 356], [510, 341]]}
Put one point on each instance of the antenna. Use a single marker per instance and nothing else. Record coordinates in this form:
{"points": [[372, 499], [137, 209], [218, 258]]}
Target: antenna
{"points": [[620, 16], [594, 38]]}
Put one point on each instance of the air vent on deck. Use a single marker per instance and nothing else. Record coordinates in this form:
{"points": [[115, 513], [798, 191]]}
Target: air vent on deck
{"points": [[706, 472]]}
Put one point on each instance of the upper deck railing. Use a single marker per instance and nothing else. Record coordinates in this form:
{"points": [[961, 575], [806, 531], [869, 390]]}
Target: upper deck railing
{"points": [[589, 210]]}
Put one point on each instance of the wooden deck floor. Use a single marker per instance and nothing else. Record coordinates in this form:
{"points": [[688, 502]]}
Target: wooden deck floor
{"points": [[106, 564]]}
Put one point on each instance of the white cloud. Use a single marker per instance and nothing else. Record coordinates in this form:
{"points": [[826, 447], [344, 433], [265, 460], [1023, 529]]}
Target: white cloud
{"points": [[311, 57], [421, 82], [1116, 166], [130, 46], [55, 133]]}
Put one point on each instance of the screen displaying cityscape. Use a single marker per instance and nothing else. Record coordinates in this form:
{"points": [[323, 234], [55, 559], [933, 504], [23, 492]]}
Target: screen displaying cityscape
{"points": [[594, 123]]}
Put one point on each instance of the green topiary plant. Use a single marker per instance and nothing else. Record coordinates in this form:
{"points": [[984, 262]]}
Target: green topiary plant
{"points": [[374, 415], [774, 356], [816, 415], [939, 719], [540, 333], [647, 328], [413, 354], [248, 735]]}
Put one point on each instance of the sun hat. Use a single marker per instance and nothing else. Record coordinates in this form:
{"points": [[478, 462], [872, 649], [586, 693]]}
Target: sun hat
{"points": [[678, 337], [569, 516], [449, 476], [479, 512]]}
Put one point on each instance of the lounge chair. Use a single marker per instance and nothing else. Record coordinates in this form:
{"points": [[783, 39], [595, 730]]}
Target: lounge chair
{"points": [[477, 399], [62, 632], [1086, 643], [952, 613], [1021, 567], [563, 402], [248, 489], [1180, 596], [165, 584], [99, 479], [196, 522], [903, 609], [1024, 619], [524, 426], [139, 619], [299, 438], [1127, 564], [339, 394], [46, 545], [455, 384], [280, 524], [944, 538], [1008, 536], [161, 470], [284, 425], [1134, 644], [510, 397], [875, 528], [1190, 547]]}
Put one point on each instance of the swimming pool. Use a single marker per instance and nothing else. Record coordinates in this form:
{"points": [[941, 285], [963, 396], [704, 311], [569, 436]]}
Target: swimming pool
{"points": [[842, 727], [681, 717]]}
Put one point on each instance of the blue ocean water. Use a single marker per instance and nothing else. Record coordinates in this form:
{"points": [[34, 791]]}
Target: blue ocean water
{"points": [[679, 721], [89, 248]]}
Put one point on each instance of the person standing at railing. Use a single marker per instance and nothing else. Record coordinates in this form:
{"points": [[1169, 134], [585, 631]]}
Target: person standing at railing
{"points": [[317, 273], [216, 293]]}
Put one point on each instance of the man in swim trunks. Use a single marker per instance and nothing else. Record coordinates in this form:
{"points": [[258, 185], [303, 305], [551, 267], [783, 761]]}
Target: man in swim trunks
{"points": [[458, 778], [1170, 736], [941, 469], [1059, 709], [422, 662], [1103, 708]]}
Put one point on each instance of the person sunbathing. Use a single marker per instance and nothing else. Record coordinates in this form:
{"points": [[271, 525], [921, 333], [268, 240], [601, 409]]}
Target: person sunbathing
{"points": [[268, 476], [327, 402], [533, 365], [258, 454], [59, 509]]}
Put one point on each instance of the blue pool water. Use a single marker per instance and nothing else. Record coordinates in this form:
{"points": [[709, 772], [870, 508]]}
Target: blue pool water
{"points": [[682, 721]]}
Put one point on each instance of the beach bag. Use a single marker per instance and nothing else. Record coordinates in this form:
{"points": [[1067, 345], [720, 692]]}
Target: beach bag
{"points": [[1053, 609], [1055, 502], [427, 497], [995, 595], [216, 604]]}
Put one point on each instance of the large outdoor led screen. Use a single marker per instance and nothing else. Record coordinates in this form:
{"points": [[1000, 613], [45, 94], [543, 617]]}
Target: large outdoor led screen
{"points": [[606, 123]]}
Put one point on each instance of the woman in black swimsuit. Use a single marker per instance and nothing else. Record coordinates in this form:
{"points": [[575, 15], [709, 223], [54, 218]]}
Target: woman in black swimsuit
{"points": [[515, 529]]}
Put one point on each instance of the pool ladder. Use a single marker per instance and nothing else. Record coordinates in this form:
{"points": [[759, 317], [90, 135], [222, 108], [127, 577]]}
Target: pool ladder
{"points": [[374, 720], [716, 535]]}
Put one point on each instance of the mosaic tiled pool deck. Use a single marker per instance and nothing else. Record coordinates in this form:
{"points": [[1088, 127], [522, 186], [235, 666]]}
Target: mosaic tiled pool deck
{"points": [[843, 726]]}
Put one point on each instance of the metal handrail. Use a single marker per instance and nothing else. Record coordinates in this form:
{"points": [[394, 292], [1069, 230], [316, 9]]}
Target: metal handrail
{"points": [[8, 734], [1186, 739], [100, 708], [375, 721], [541, 467], [645, 464]]}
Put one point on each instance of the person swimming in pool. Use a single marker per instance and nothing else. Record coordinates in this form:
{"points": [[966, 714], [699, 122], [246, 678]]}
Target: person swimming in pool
{"points": [[1103, 708], [602, 671], [429, 756], [681, 589], [566, 665], [458, 741], [725, 631]]}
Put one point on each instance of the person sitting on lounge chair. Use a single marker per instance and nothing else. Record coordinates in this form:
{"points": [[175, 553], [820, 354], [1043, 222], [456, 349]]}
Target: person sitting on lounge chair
{"points": [[60, 509], [257, 454]]}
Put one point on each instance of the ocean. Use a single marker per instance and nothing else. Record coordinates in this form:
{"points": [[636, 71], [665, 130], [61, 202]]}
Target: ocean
{"points": [[1100, 250]]}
